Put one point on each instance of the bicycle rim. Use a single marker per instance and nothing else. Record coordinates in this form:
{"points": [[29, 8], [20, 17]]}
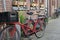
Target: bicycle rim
{"points": [[41, 31], [5, 35]]}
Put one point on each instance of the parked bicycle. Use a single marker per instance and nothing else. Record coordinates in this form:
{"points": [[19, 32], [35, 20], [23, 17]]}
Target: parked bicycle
{"points": [[13, 32], [8, 30], [34, 26]]}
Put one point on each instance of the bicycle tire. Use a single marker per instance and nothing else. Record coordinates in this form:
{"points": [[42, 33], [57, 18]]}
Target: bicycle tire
{"points": [[40, 33], [4, 34]]}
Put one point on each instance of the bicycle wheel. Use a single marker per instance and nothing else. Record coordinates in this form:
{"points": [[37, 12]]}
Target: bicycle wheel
{"points": [[41, 31], [5, 33]]}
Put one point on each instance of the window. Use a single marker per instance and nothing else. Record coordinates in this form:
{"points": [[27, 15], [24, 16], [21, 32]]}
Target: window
{"points": [[33, 8], [15, 6], [22, 7], [33, 1], [33, 4], [41, 3]]}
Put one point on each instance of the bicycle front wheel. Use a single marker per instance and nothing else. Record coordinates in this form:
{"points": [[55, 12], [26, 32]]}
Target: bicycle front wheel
{"points": [[6, 35], [41, 31]]}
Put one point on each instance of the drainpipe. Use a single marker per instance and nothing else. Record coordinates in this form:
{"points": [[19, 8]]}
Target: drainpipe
{"points": [[46, 7], [4, 5], [57, 3]]}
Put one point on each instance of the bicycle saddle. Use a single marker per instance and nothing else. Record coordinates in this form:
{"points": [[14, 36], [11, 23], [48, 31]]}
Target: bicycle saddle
{"points": [[30, 13]]}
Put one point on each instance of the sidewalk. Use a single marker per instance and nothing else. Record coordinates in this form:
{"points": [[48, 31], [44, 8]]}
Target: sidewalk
{"points": [[51, 20]]}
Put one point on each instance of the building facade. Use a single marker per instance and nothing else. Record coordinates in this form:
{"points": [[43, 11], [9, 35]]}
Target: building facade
{"points": [[5, 5], [58, 3], [23, 5], [52, 7], [49, 5], [28, 4], [31, 5]]}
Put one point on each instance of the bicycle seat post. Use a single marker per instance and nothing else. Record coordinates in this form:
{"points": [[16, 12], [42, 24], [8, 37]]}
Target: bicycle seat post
{"points": [[30, 13], [30, 17]]}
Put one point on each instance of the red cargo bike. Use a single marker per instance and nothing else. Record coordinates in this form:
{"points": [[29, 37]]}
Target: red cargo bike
{"points": [[12, 30]]}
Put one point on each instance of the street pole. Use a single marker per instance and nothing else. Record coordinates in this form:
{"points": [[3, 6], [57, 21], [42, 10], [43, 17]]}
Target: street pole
{"points": [[46, 7], [46, 10]]}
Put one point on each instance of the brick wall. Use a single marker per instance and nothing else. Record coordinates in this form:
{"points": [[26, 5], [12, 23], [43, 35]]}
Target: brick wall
{"points": [[8, 5], [58, 3], [1, 6]]}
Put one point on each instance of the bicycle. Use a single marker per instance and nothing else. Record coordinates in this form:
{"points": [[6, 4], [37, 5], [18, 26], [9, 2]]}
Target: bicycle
{"points": [[42, 24], [14, 33], [8, 30], [37, 25]]}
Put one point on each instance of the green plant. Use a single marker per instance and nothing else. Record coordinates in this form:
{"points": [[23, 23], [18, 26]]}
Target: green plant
{"points": [[21, 16], [22, 20]]}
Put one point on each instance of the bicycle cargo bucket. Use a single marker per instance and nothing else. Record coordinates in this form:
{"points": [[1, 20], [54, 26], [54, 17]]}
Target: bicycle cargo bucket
{"points": [[9, 17]]}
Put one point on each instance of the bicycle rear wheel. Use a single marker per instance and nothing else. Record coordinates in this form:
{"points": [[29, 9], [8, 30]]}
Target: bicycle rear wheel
{"points": [[5, 33], [41, 31]]}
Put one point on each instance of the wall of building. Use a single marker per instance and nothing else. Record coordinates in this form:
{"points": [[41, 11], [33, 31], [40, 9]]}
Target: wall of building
{"points": [[49, 8], [8, 5], [58, 3], [1, 6], [52, 6], [5, 5]]}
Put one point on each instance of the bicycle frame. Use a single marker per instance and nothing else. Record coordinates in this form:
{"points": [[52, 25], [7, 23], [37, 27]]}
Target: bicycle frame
{"points": [[26, 28]]}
